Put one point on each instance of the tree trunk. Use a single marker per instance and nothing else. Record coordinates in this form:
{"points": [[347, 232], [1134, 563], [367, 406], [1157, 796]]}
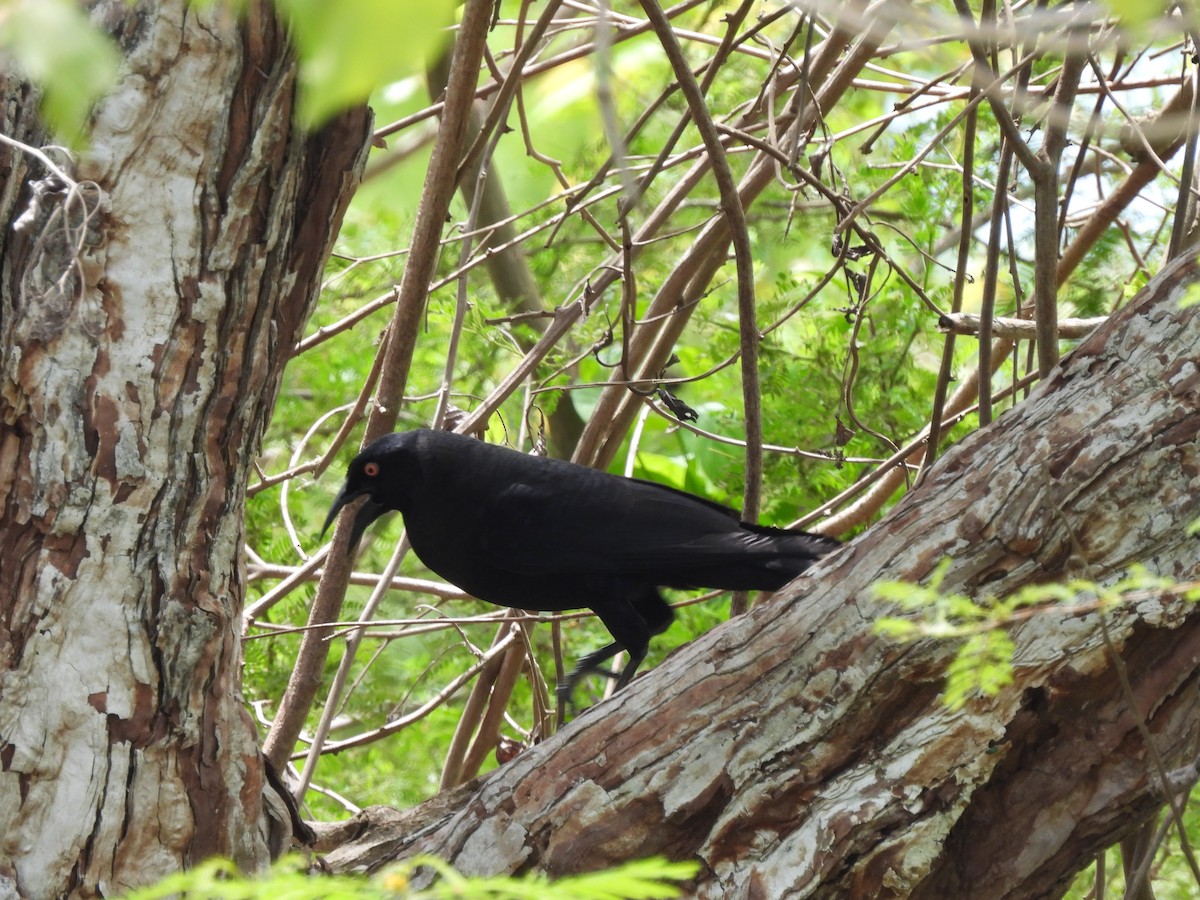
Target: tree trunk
{"points": [[145, 319], [795, 752]]}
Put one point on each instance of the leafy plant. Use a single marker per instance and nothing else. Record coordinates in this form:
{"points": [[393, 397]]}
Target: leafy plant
{"points": [[219, 879], [982, 665]]}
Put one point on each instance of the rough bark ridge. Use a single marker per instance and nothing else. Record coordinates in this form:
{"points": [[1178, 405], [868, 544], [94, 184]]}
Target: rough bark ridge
{"points": [[141, 346], [794, 752]]}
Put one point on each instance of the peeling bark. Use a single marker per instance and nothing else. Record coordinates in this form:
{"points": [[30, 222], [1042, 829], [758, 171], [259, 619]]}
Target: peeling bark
{"points": [[795, 753], [140, 353]]}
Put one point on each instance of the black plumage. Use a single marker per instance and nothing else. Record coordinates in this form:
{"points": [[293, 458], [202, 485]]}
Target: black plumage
{"points": [[543, 534]]}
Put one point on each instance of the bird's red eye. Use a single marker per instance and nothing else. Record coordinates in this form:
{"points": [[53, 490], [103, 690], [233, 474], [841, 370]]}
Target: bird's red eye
{"points": [[371, 469]]}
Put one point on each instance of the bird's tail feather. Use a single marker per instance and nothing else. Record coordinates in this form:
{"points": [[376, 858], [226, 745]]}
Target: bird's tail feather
{"points": [[766, 559], [796, 541]]}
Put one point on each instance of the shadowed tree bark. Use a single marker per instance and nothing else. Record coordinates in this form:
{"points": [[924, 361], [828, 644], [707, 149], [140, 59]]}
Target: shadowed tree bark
{"points": [[795, 752], [146, 313]]}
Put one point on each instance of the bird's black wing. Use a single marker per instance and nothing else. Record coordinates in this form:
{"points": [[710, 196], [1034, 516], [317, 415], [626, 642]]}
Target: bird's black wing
{"points": [[613, 526]]}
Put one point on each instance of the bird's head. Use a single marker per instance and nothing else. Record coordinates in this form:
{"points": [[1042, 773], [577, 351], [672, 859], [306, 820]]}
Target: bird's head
{"points": [[376, 473]]}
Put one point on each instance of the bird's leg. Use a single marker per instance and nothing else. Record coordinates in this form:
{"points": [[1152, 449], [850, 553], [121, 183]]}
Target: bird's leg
{"points": [[591, 665], [629, 671], [631, 633], [654, 615]]}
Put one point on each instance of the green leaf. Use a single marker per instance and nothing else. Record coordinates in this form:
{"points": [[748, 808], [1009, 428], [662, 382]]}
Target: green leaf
{"points": [[983, 665], [350, 48], [219, 879], [900, 629], [642, 879], [1137, 12], [57, 48], [1191, 296]]}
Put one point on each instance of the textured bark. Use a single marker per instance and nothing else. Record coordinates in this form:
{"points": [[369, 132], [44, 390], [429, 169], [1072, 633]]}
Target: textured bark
{"points": [[140, 354], [794, 752]]}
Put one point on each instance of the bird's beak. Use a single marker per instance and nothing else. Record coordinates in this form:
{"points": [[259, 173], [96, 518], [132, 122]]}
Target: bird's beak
{"points": [[367, 513]]}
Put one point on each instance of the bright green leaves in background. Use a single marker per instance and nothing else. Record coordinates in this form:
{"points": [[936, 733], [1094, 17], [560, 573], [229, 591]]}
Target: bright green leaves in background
{"points": [[1138, 12], [346, 49], [349, 48], [52, 42]]}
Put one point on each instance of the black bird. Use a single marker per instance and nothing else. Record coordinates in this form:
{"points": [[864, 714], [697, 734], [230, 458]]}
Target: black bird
{"points": [[534, 533]]}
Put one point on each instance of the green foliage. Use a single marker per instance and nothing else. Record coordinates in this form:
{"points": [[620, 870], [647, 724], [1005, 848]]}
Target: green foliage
{"points": [[1191, 296], [347, 50], [1137, 12], [73, 64], [219, 879], [982, 665], [353, 47], [1170, 875]]}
